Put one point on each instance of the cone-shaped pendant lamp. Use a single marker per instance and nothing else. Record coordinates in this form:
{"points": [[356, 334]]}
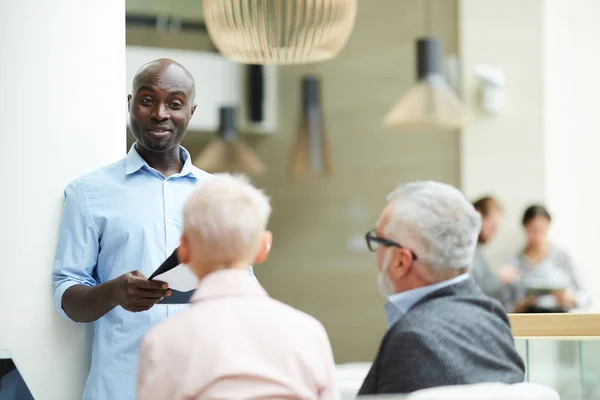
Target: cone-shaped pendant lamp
{"points": [[227, 153], [279, 31], [311, 153], [430, 104]]}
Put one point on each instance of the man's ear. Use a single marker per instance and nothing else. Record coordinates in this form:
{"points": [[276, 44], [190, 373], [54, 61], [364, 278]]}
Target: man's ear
{"points": [[129, 102], [265, 248], [183, 251], [194, 108], [401, 263]]}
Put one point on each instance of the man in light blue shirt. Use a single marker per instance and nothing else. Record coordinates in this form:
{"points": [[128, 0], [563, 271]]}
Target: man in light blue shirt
{"points": [[120, 223]]}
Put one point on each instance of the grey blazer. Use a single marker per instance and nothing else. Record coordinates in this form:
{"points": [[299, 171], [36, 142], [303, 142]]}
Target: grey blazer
{"points": [[456, 335]]}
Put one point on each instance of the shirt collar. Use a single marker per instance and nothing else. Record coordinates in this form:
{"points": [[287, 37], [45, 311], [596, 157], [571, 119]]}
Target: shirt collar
{"points": [[228, 283], [399, 304], [134, 162]]}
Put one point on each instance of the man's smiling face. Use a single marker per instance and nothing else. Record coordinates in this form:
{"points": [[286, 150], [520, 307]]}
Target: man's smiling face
{"points": [[161, 105]]}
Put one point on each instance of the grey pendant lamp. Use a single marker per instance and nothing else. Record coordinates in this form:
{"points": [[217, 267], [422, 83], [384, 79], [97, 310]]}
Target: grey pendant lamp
{"points": [[227, 153], [311, 153], [430, 104]]}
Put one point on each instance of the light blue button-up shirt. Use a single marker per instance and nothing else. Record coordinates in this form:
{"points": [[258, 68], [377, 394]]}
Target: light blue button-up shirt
{"points": [[123, 217], [399, 304]]}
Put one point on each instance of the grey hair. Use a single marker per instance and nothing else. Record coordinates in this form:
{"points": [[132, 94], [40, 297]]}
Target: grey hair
{"points": [[437, 223]]}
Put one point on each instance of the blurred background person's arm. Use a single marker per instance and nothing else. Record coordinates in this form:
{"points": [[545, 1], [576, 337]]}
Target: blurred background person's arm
{"points": [[575, 296]]}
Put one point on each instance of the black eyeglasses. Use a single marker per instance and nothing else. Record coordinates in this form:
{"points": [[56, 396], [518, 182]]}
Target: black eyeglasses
{"points": [[374, 241]]}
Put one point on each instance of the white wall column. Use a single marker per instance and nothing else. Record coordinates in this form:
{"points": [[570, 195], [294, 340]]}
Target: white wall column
{"points": [[62, 76], [502, 155], [572, 128], [542, 148]]}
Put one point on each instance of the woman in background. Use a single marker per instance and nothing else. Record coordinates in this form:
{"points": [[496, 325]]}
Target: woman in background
{"points": [[548, 276]]}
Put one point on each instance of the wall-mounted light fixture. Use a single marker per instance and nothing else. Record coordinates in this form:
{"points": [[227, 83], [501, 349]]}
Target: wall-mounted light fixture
{"points": [[491, 89]]}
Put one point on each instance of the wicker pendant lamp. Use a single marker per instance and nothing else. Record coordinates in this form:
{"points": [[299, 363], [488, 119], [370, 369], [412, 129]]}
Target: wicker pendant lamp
{"points": [[279, 31], [227, 153]]}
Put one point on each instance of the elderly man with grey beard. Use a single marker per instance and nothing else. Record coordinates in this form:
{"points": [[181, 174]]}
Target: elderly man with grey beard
{"points": [[442, 329]]}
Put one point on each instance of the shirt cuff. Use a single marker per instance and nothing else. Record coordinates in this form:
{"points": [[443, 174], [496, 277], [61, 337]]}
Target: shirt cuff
{"points": [[58, 295]]}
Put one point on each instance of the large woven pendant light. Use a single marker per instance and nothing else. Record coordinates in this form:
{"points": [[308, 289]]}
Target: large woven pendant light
{"points": [[227, 153], [279, 31], [311, 154]]}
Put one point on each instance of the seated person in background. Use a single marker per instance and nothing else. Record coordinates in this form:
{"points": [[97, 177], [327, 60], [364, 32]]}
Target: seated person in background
{"points": [[234, 342], [499, 286], [442, 329], [548, 276]]}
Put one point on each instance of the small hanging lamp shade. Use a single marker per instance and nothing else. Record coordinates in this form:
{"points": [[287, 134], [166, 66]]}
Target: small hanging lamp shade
{"points": [[430, 104], [311, 153], [227, 153], [279, 31]]}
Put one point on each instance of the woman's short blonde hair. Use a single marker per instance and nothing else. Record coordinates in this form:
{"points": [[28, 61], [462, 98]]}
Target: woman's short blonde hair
{"points": [[228, 216]]}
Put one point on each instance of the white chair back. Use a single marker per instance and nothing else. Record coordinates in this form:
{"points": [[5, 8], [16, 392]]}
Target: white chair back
{"points": [[350, 377], [487, 391]]}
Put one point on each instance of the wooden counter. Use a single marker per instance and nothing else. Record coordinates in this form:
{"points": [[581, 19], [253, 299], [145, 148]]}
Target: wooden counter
{"points": [[563, 326]]}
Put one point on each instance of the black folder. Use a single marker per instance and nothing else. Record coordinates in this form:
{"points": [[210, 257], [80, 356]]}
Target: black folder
{"points": [[176, 296], [171, 262]]}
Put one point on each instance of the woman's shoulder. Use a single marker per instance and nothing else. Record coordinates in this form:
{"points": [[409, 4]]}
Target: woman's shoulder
{"points": [[558, 250], [560, 253], [519, 255]]}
